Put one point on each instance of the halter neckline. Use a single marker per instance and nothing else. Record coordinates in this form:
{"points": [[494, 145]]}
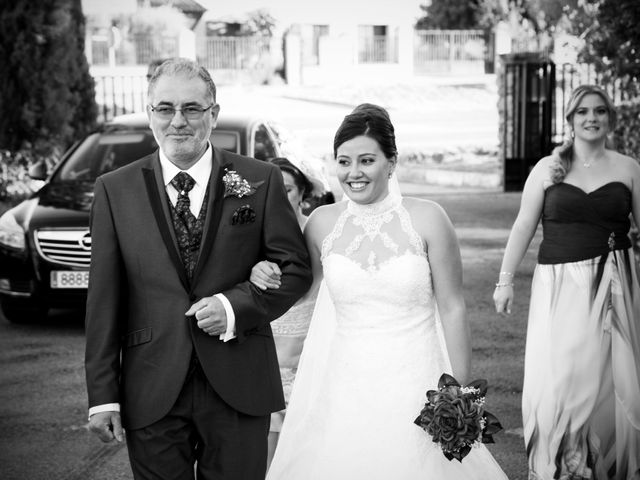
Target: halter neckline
{"points": [[387, 204]]}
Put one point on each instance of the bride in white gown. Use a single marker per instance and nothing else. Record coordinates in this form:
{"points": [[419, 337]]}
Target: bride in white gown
{"points": [[376, 343]]}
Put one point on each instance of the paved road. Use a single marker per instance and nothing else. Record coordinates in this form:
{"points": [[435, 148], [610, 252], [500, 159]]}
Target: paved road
{"points": [[426, 117]]}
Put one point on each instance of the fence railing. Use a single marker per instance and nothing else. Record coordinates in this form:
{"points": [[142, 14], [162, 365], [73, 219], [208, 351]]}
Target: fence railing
{"points": [[236, 53], [137, 49], [378, 49], [120, 94], [446, 51]]}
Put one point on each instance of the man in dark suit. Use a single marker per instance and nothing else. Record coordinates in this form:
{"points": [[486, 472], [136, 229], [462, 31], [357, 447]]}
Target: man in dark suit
{"points": [[179, 343]]}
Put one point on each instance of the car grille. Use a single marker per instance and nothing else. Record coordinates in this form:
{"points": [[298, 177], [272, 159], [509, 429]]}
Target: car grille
{"points": [[65, 247]]}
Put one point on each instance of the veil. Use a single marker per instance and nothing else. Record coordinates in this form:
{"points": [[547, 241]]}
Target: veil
{"points": [[311, 370], [394, 185]]}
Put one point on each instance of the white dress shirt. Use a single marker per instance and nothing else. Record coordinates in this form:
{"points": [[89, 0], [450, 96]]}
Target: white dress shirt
{"points": [[200, 172]]}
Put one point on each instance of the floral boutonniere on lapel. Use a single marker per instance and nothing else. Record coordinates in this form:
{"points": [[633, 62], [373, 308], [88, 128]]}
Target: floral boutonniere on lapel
{"points": [[236, 186]]}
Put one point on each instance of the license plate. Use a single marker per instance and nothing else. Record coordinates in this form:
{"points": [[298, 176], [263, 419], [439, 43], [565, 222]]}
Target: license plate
{"points": [[69, 279]]}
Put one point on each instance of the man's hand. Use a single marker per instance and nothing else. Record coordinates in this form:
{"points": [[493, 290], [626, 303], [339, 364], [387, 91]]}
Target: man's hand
{"points": [[210, 315], [106, 425]]}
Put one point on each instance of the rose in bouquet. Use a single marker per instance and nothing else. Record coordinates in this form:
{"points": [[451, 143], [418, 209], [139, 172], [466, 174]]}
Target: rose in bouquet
{"points": [[455, 417]]}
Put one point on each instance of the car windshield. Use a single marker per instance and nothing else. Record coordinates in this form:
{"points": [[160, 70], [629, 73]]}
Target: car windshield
{"points": [[105, 151], [102, 152]]}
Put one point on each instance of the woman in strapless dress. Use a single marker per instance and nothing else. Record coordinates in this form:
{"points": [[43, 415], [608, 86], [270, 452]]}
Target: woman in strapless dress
{"points": [[581, 393]]}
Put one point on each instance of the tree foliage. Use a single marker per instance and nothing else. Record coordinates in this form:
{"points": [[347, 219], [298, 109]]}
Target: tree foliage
{"points": [[259, 22], [47, 96], [450, 15], [614, 42]]}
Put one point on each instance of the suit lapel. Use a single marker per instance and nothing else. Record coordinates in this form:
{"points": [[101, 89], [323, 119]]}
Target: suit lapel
{"points": [[214, 209], [158, 200]]}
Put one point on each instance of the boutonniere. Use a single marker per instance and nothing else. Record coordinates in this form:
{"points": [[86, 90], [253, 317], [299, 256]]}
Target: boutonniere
{"points": [[244, 214], [236, 186]]}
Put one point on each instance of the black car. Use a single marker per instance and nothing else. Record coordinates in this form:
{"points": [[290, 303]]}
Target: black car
{"points": [[45, 244]]}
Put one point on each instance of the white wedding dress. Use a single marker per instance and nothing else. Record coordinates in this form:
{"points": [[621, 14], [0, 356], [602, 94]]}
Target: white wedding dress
{"points": [[374, 348]]}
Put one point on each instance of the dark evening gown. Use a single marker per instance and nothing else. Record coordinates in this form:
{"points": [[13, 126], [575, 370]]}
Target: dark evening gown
{"points": [[581, 395]]}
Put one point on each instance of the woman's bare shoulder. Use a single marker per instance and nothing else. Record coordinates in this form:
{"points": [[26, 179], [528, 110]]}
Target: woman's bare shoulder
{"points": [[422, 206], [625, 161], [427, 216]]}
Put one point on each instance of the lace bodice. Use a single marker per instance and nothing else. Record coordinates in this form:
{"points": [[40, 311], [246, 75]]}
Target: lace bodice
{"points": [[376, 268]]}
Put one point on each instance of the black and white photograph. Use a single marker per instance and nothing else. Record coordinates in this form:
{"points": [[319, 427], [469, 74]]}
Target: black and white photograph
{"points": [[320, 240]]}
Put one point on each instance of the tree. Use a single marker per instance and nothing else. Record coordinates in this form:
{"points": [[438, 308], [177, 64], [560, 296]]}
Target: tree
{"points": [[450, 15], [47, 96], [614, 44]]}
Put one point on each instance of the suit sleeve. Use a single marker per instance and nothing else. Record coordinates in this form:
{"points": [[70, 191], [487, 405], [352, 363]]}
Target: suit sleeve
{"points": [[283, 244], [107, 284]]}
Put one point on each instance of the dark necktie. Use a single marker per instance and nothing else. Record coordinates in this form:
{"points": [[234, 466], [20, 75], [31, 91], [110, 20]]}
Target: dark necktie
{"points": [[183, 183], [185, 223]]}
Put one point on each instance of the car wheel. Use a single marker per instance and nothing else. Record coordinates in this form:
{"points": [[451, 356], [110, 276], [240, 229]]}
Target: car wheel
{"points": [[22, 311]]}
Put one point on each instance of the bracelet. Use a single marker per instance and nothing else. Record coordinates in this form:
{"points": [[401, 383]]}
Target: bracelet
{"points": [[506, 273], [504, 284]]}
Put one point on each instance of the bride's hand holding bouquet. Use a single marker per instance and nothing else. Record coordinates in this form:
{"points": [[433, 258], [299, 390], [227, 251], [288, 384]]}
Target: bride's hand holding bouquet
{"points": [[455, 418]]}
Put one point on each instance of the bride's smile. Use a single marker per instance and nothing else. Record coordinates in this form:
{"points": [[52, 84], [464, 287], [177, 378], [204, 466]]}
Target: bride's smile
{"points": [[363, 169]]}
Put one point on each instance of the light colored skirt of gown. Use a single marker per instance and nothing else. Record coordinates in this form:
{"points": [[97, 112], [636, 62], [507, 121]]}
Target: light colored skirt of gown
{"points": [[357, 424], [581, 395]]}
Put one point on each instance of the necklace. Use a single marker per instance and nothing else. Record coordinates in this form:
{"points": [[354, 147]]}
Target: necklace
{"points": [[588, 163]]}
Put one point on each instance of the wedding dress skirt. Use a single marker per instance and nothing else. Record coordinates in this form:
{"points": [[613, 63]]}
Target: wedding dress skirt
{"points": [[373, 350]]}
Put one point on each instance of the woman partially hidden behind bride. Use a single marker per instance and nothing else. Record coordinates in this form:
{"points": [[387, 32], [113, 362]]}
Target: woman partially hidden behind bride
{"points": [[389, 320]]}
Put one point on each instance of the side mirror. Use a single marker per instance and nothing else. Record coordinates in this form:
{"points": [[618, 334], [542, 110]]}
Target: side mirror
{"points": [[38, 171]]}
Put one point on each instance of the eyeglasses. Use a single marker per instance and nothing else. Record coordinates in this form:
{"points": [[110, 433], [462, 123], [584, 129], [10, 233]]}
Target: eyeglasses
{"points": [[192, 112]]}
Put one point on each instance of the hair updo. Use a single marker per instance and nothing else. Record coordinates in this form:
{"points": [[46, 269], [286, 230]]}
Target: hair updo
{"points": [[371, 121]]}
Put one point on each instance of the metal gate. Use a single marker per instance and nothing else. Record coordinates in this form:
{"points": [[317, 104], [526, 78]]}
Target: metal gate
{"points": [[528, 115]]}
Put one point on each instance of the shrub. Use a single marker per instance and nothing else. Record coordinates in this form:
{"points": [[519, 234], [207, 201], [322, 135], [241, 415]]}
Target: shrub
{"points": [[627, 140], [15, 184], [627, 132]]}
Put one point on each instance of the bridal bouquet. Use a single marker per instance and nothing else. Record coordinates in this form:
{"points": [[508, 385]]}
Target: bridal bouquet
{"points": [[455, 417]]}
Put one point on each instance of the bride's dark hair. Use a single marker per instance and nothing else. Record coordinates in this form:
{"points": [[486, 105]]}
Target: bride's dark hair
{"points": [[371, 121]]}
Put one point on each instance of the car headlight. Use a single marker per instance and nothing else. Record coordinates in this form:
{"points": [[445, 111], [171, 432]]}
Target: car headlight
{"points": [[11, 233]]}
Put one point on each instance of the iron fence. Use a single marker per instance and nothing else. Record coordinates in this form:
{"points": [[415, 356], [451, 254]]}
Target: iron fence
{"points": [[378, 49], [236, 53], [137, 49], [120, 94], [446, 51]]}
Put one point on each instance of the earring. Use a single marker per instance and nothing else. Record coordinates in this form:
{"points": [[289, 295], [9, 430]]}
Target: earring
{"points": [[390, 173]]}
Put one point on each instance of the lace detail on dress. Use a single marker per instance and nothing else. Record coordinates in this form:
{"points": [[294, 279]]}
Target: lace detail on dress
{"points": [[327, 243], [414, 238], [294, 323], [372, 228], [378, 233]]}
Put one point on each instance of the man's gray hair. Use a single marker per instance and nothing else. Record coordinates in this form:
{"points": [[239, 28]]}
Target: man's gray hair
{"points": [[183, 67]]}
